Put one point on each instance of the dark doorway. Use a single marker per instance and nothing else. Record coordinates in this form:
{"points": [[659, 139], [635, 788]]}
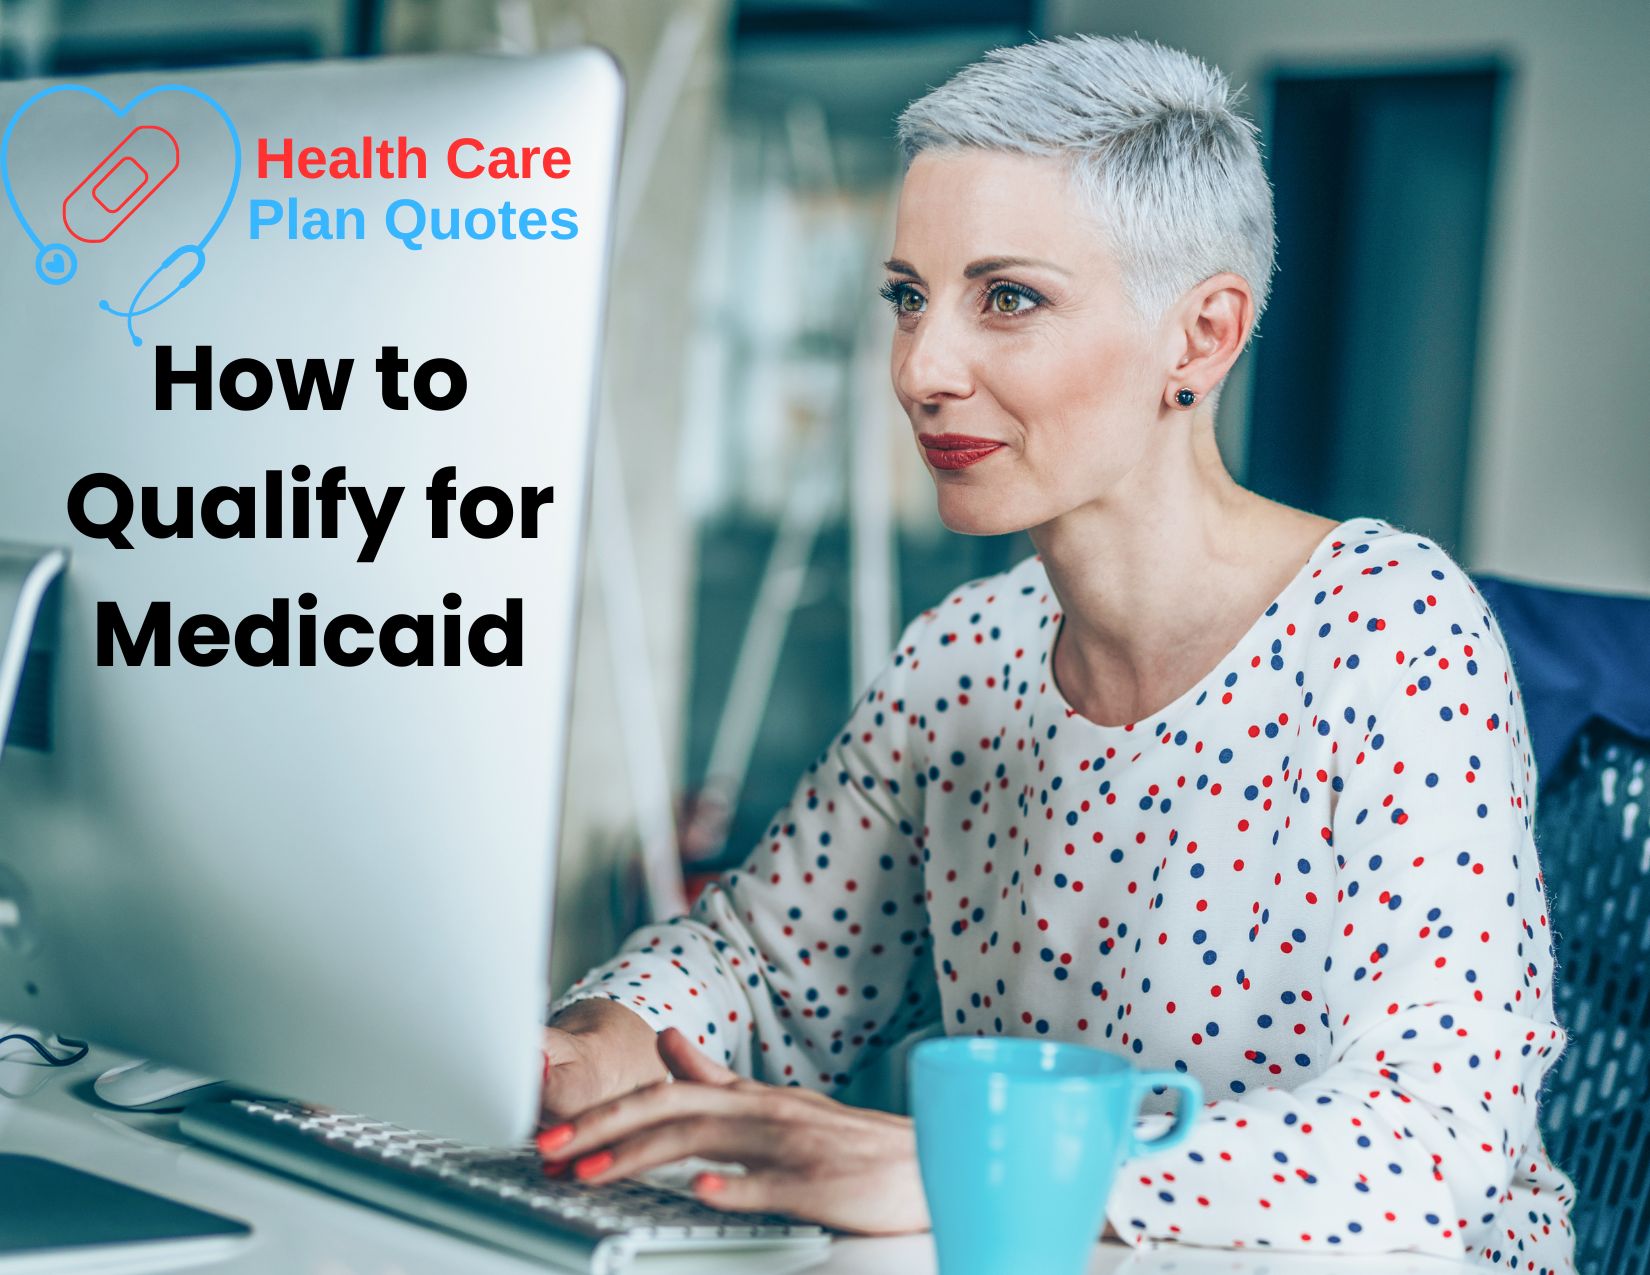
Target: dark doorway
{"points": [[1364, 369]]}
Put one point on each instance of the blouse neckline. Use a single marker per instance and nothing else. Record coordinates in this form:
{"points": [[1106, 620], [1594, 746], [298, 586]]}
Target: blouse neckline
{"points": [[1194, 694]]}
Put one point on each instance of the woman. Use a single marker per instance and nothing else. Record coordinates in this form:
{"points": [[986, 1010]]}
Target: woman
{"points": [[1208, 782]]}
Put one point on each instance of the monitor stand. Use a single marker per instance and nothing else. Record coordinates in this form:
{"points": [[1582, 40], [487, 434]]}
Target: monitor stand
{"points": [[28, 637], [48, 1210]]}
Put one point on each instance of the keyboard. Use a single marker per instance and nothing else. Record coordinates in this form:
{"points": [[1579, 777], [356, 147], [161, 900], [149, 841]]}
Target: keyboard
{"points": [[501, 1195]]}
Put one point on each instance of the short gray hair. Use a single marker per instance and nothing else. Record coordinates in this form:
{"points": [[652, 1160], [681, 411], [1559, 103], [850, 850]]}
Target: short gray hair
{"points": [[1155, 145]]}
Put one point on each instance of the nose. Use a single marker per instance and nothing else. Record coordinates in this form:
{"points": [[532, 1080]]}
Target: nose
{"points": [[933, 365]]}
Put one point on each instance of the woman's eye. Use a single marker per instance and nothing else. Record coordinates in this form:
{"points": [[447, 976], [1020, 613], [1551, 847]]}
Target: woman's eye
{"points": [[1008, 298], [903, 297]]}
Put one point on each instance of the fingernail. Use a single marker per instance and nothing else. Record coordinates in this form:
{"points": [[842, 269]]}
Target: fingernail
{"points": [[709, 1183], [558, 1136], [591, 1165]]}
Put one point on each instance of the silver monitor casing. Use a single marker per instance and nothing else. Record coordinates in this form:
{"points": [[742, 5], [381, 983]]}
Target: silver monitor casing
{"points": [[328, 883]]}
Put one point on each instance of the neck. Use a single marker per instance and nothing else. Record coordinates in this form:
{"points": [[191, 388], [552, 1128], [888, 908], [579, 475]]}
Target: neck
{"points": [[1144, 570]]}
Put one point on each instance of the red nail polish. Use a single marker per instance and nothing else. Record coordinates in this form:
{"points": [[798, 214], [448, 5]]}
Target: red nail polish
{"points": [[709, 1183], [552, 1138], [591, 1165]]}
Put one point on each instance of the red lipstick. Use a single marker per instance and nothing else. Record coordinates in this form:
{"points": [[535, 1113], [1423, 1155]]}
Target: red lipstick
{"points": [[956, 451]]}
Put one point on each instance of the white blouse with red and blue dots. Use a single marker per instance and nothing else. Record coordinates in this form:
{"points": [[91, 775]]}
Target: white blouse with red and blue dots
{"points": [[1310, 882]]}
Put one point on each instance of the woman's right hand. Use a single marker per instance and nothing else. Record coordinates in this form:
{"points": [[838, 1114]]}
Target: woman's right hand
{"points": [[596, 1050]]}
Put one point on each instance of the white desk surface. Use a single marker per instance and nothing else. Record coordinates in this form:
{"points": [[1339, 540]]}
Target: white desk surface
{"points": [[298, 1230]]}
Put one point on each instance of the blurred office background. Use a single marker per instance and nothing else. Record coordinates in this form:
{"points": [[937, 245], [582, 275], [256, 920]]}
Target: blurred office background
{"points": [[1453, 343]]}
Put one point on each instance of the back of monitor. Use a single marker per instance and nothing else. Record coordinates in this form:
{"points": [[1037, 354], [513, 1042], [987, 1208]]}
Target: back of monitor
{"points": [[329, 882]]}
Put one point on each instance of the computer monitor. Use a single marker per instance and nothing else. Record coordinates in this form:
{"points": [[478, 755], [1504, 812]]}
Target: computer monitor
{"points": [[328, 876]]}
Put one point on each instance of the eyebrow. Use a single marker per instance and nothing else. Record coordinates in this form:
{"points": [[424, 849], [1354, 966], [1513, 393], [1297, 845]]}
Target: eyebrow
{"points": [[988, 266], [993, 264]]}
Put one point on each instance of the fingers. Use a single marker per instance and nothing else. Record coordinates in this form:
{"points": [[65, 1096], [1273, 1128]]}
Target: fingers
{"points": [[758, 1191], [804, 1155], [881, 1200], [738, 1139], [687, 1062], [605, 1124]]}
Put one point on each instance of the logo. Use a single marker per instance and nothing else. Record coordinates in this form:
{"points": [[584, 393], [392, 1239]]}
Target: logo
{"points": [[112, 193], [132, 183]]}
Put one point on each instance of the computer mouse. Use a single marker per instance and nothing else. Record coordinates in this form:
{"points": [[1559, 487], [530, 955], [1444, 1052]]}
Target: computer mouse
{"points": [[152, 1086]]}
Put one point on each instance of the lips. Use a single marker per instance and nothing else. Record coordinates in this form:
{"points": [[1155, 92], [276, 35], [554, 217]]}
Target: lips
{"points": [[956, 451]]}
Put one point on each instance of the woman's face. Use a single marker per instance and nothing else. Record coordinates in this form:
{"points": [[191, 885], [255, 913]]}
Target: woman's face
{"points": [[1030, 384]]}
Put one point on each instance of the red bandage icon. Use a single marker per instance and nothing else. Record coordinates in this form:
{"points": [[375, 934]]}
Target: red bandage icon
{"points": [[120, 183]]}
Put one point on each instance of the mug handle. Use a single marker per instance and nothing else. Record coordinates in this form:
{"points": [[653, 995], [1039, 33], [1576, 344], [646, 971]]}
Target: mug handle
{"points": [[1191, 1101]]}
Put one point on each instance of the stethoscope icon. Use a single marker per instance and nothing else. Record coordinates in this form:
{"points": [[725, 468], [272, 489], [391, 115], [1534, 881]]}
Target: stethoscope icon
{"points": [[55, 263]]}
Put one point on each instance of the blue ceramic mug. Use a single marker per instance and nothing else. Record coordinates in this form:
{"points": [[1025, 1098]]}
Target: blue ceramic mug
{"points": [[1018, 1142]]}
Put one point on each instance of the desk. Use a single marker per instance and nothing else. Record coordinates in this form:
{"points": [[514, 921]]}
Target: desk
{"points": [[300, 1230]]}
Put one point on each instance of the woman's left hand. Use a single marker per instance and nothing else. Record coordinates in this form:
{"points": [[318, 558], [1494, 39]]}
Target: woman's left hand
{"points": [[805, 1155]]}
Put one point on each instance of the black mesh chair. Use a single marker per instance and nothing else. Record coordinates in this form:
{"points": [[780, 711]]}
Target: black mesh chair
{"points": [[1583, 666], [1592, 824]]}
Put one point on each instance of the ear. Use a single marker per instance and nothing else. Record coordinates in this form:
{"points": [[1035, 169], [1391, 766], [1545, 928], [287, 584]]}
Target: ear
{"points": [[1208, 329]]}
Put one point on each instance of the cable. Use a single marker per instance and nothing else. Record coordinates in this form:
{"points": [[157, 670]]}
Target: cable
{"points": [[52, 1060]]}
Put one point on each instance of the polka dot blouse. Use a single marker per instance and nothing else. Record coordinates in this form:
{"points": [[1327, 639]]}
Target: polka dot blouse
{"points": [[1310, 882]]}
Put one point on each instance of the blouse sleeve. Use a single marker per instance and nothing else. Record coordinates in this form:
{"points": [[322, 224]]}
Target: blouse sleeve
{"points": [[803, 963], [1438, 993]]}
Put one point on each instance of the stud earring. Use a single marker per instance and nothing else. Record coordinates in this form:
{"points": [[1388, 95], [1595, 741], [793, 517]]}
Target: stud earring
{"points": [[1185, 397]]}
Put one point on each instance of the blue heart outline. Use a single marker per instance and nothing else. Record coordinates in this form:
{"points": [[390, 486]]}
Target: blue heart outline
{"points": [[195, 250]]}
